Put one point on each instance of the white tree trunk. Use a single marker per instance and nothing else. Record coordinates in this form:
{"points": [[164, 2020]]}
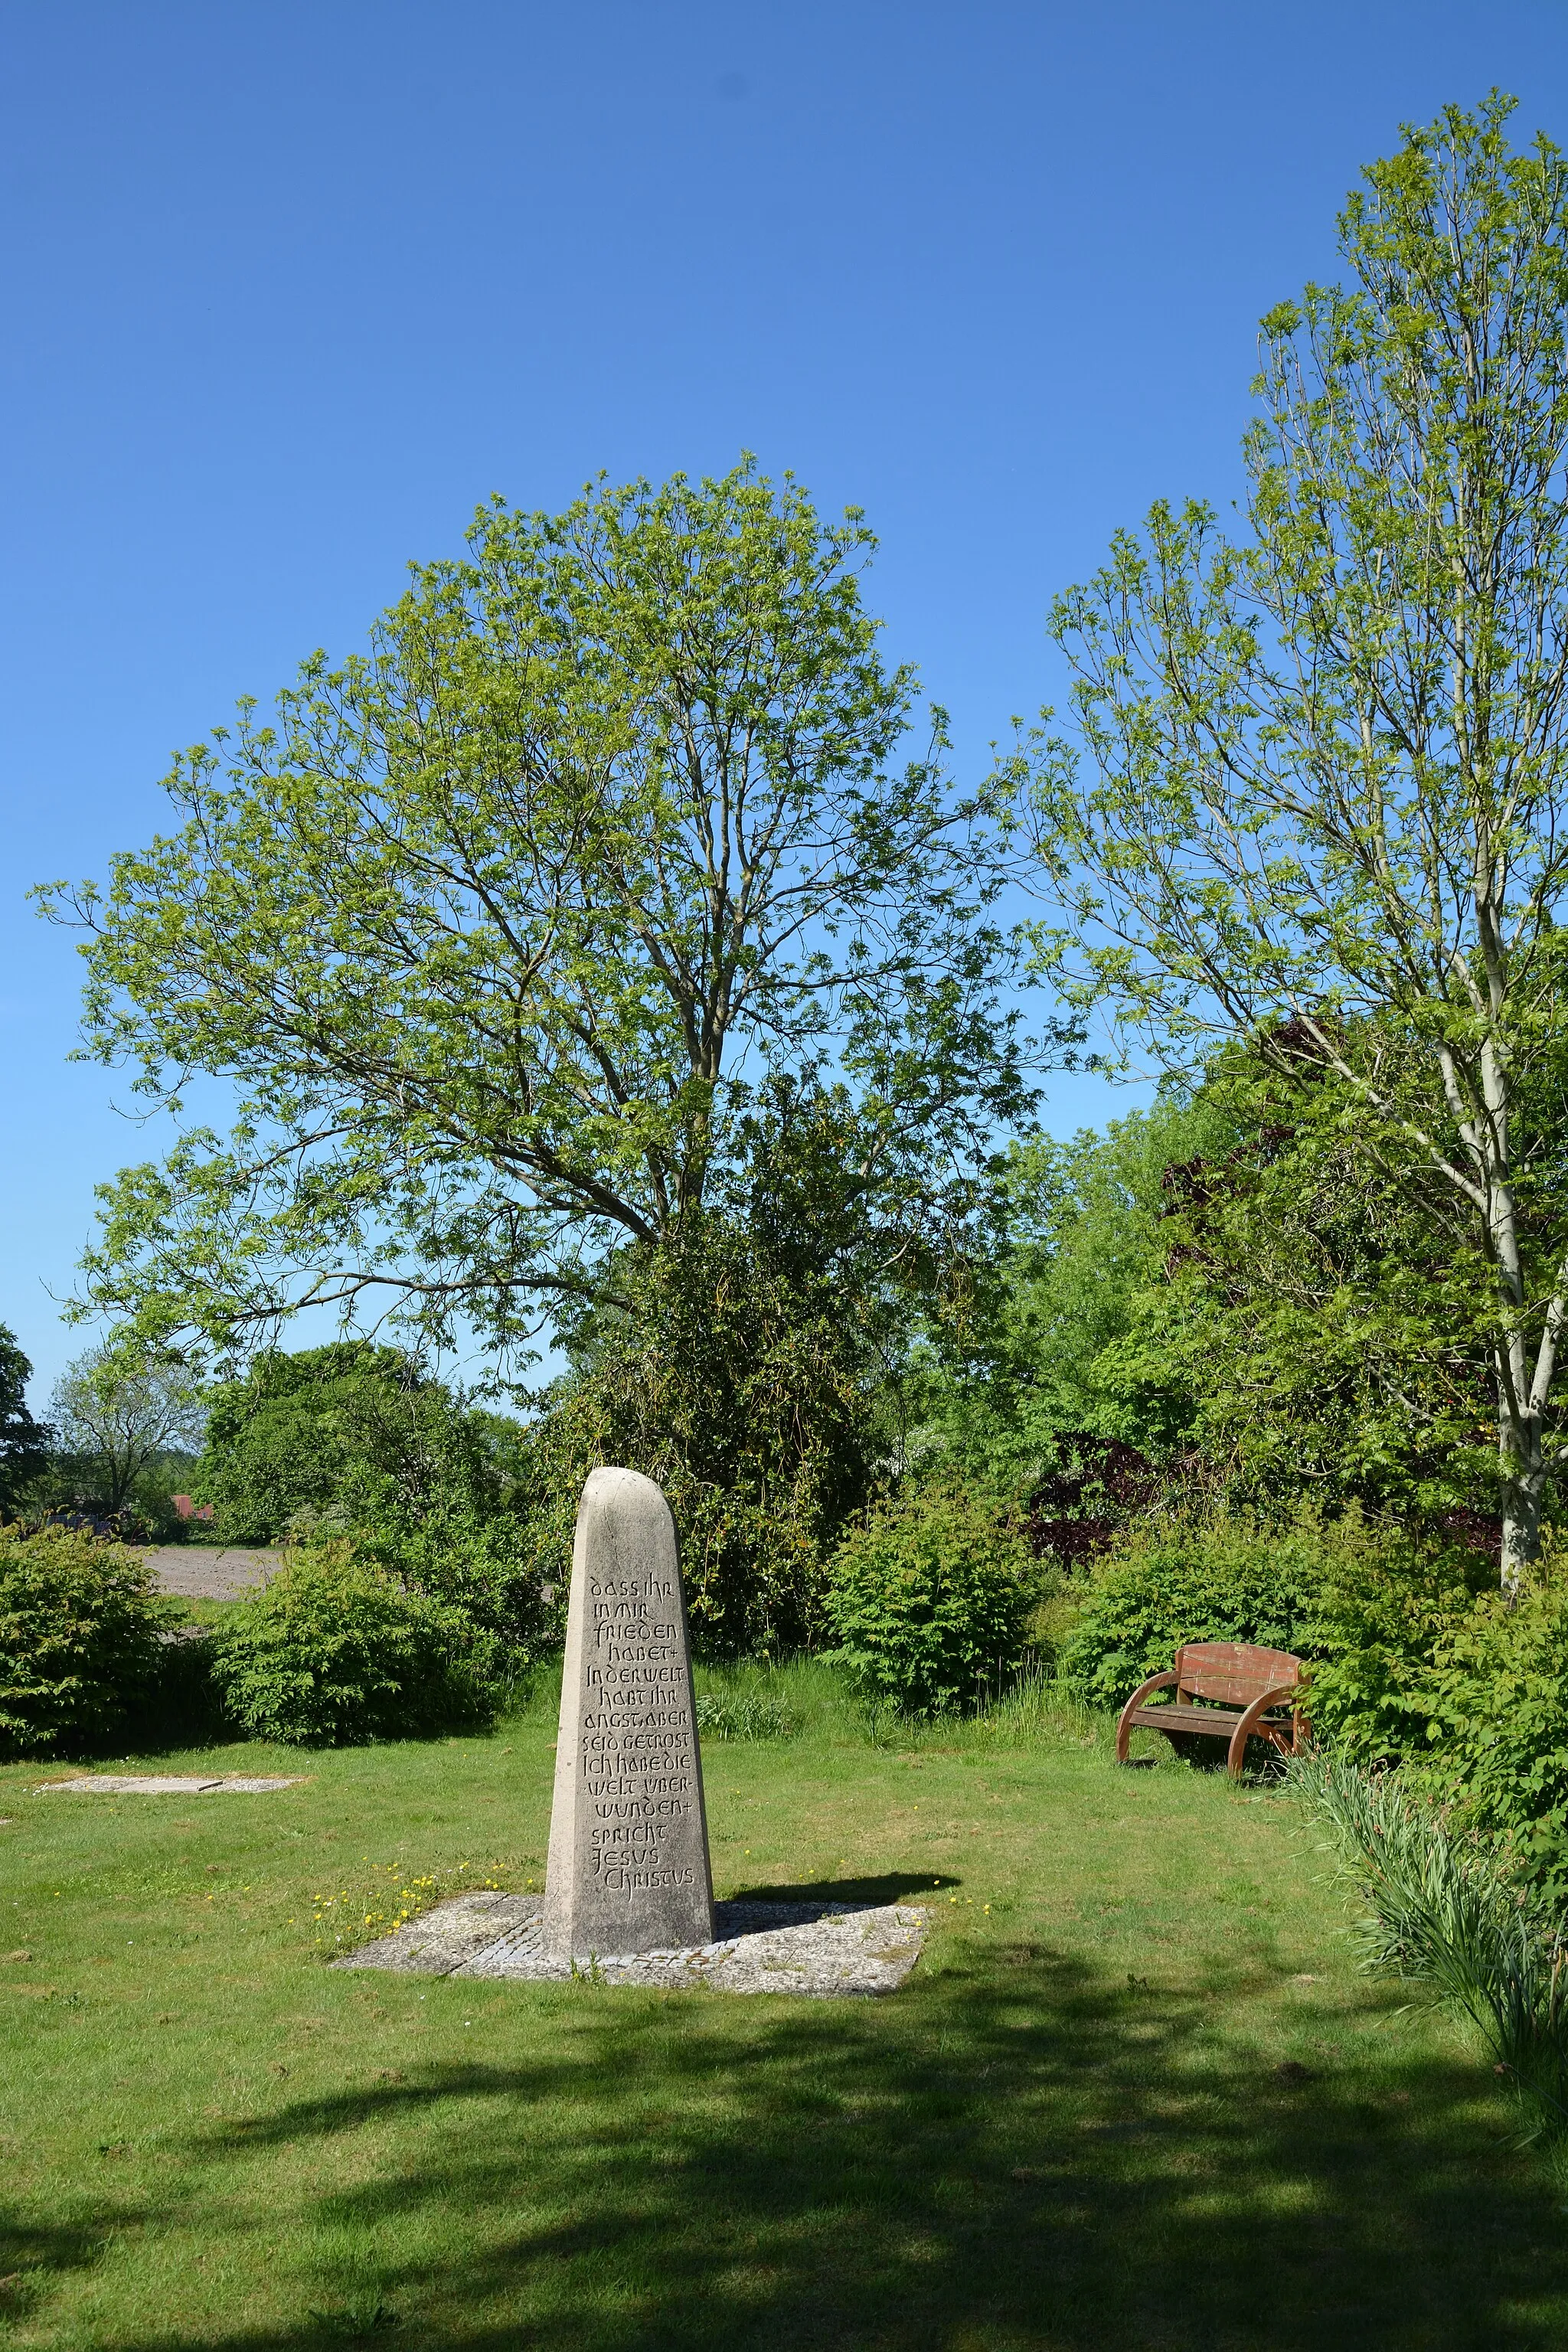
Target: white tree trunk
{"points": [[1524, 1486]]}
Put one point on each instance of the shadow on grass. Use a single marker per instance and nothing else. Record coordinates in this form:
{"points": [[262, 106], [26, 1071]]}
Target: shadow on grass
{"points": [[897, 1886], [31, 2258], [1018, 2152]]}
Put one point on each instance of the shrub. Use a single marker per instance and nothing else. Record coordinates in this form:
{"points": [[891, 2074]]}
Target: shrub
{"points": [[929, 1598], [1385, 1605], [334, 1652], [79, 1639], [1497, 1699], [1366, 1604], [1221, 1579], [488, 1570]]}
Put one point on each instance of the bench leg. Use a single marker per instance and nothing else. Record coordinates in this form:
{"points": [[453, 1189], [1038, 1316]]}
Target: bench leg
{"points": [[1252, 1726]]}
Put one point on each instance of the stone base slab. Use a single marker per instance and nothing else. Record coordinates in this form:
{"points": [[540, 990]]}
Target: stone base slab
{"points": [[824, 1951]]}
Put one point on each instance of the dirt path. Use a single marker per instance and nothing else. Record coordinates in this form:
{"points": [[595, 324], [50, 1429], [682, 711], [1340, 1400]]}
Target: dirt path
{"points": [[211, 1571]]}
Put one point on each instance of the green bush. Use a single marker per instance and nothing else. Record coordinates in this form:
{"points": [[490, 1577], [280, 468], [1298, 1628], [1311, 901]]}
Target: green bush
{"points": [[486, 1569], [79, 1640], [334, 1652], [929, 1598], [1497, 1700], [1220, 1580], [1364, 1604], [1384, 1607]]}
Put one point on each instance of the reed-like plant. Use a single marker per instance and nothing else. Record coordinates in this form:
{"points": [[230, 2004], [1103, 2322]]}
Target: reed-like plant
{"points": [[1444, 1913]]}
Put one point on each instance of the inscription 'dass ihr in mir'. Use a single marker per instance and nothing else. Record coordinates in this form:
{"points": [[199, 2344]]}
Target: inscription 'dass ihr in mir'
{"points": [[628, 1835]]}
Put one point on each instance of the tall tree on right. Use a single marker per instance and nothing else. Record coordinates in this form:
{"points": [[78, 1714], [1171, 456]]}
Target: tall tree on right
{"points": [[1318, 796]]}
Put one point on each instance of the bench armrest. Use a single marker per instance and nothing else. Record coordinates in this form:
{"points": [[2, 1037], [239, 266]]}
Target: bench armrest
{"points": [[1124, 1726], [1254, 1714]]}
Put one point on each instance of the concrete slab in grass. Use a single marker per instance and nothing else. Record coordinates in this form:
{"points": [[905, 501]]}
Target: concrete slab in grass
{"points": [[162, 1784]]}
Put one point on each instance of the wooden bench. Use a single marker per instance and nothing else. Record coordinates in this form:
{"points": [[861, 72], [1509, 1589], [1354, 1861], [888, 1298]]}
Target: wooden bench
{"points": [[1224, 1690]]}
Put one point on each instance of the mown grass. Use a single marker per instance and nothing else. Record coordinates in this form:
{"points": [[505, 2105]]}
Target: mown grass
{"points": [[1136, 2094]]}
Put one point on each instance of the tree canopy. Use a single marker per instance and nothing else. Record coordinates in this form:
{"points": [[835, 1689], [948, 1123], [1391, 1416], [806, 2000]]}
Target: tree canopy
{"points": [[496, 929], [24, 1442], [122, 1410], [1318, 796]]}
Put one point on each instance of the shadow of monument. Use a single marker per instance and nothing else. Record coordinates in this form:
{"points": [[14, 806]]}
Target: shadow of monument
{"points": [[897, 1886]]}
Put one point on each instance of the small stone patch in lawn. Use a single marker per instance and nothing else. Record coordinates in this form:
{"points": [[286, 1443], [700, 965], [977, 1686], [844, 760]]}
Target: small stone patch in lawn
{"points": [[161, 1784]]}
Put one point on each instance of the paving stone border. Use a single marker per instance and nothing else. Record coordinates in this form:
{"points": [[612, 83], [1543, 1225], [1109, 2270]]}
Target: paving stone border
{"points": [[162, 1784], [825, 1951]]}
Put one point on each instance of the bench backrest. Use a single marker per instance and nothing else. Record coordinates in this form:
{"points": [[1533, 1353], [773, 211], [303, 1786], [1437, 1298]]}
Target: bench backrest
{"points": [[1232, 1672]]}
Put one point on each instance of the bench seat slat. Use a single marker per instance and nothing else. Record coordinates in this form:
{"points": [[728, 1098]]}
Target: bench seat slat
{"points": [[1218, 1722]]}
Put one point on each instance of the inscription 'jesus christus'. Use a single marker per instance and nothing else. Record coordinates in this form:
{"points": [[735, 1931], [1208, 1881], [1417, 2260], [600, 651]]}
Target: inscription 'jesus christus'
{"points": [[628, 1836]]}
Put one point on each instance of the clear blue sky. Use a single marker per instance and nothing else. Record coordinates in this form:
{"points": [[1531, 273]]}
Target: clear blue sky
{"points": [[288, 290]]}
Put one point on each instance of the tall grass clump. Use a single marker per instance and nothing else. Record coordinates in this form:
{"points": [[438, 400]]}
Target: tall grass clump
{"points": [[1038, 1710], [1445, 1915]]}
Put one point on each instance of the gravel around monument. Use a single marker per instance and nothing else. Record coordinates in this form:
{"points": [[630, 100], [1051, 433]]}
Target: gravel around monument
{"points": [[824, 1951]]}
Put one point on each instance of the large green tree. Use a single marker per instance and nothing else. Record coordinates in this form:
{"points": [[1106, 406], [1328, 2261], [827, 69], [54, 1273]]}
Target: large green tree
{"points": [[1319, 793], [24, 1442], [335, 1439], [120, 1411], [496, 931], [751, 1363]]}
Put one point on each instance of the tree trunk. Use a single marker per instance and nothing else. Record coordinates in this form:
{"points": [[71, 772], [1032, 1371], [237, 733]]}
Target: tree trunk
{"points": [[1523, 1482]]}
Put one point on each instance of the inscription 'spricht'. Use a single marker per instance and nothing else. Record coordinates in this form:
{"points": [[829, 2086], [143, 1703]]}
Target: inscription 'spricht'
{"points": [[628, 1832]]}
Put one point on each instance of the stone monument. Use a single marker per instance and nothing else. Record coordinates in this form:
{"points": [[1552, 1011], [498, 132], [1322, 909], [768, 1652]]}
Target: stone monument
{"points": [[628, 1870]]}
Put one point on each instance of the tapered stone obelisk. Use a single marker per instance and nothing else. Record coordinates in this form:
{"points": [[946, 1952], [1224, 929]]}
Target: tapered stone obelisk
{"points": [[628, 1832]]}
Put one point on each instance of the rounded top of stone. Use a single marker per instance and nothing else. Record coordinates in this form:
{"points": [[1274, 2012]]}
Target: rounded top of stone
{"points": [[623, 1486]]}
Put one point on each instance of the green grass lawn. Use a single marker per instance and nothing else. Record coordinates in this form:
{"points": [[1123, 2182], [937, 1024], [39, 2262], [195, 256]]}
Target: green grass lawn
{"points": [[1135, 2094]]}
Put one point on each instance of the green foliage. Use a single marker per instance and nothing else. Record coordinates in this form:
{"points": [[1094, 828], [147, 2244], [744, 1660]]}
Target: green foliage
{"points": [[1321, 1304], [495, 930], [334, 1652], [353, 1440], [79, 1648], [1319, 794], [490, 1569], [1221, 1580], [929, 1598], [117, 1411], [1385, 1604], [327, 1440], [743, 1379], [1363, 1603], [1497, 1700], [1443, 1914], [1046, 1342], [24, 1444]]}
